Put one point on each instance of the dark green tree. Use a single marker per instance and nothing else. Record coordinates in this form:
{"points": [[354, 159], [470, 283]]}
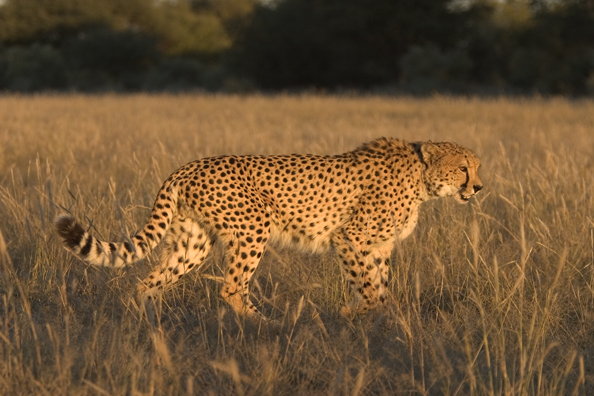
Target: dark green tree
{"points": [[555, 54], [329, 43], [547, 48]]}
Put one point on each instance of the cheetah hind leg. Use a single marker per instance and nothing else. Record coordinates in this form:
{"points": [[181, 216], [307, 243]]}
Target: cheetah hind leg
{"points": [[186, 247], [243, 256]]}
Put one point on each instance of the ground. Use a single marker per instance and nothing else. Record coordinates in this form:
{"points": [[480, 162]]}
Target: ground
{"points": [[501, 307]]}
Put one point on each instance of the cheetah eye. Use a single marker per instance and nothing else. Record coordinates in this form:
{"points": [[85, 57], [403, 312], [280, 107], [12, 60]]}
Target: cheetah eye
{"points": [[464, 169]]}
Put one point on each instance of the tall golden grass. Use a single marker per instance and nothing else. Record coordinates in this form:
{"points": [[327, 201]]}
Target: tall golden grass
{"points": [[491, 298]]}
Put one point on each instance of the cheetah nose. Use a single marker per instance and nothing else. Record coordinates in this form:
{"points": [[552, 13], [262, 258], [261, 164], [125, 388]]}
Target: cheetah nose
{"points": [[477, 188]]}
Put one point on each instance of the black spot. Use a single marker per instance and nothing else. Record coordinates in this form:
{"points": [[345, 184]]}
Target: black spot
{"points": [[87, 247], [129, 247]]}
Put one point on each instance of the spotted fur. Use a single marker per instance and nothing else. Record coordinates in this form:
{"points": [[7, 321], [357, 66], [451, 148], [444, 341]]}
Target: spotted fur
{"points": [[359, 203]]}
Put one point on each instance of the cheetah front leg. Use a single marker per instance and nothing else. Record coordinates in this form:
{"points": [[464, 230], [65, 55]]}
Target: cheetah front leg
{"points": [[381, 258], [366, 272], [186, 247]]}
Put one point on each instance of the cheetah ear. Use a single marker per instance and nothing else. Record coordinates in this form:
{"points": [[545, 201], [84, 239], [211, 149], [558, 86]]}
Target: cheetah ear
{"points": [[430, 152]]}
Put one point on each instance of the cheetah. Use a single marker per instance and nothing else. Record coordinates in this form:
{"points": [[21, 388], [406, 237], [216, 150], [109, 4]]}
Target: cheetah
{"points": [[359, 203]]}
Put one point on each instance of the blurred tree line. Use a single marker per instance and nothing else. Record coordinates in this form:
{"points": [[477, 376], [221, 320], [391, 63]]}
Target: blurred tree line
{"points": [[419, 46]]}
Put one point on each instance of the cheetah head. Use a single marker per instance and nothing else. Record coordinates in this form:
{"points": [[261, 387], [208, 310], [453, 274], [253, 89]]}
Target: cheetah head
{"points": [[451, 170]]}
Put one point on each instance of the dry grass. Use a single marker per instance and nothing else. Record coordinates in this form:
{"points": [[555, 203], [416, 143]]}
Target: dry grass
{"points": [[492, 298]]}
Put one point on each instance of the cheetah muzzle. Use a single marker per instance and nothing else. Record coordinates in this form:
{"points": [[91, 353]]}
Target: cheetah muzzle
{"points": [[359, 203]]}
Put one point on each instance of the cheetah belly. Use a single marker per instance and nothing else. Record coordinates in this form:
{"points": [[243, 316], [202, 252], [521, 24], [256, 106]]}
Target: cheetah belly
{"points": [[314, 235], [302, 238]]}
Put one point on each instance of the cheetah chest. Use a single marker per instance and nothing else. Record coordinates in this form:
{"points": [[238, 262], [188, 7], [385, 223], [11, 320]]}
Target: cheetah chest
{"points": [[407, 227]]}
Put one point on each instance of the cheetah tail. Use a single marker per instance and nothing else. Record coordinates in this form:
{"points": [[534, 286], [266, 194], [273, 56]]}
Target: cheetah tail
{"points": [[113, 254]]}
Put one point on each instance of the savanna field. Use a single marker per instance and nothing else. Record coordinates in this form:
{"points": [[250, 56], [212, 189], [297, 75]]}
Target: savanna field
{"points": [[495, 297]]}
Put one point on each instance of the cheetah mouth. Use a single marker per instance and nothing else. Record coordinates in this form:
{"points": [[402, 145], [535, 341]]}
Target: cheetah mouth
{"points": [[463, 198]]}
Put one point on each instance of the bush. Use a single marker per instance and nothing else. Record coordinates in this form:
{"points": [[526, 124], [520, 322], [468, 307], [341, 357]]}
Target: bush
{"points": [[36, 68], [176, 75], [525, 66], [107, 59], [427, 67], [3, 70], [540, 70]]}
